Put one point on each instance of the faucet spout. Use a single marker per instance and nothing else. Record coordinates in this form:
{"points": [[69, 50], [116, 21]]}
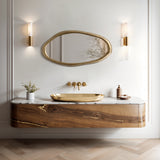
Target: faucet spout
{"points": [[79, 84]]}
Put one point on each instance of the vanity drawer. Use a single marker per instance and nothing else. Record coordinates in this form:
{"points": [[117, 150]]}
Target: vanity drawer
{"points": [[78, 115]]}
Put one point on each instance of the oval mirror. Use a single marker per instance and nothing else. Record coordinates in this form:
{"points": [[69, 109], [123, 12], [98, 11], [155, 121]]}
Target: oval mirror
{"points": [[73, 48]]}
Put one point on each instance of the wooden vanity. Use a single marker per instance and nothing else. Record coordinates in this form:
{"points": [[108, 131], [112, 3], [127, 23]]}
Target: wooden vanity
{"points": [[108, 113]]}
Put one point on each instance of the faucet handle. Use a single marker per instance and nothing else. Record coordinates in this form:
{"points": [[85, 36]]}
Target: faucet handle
{"points": [[84, 84], [69, 84], [74, 84]]}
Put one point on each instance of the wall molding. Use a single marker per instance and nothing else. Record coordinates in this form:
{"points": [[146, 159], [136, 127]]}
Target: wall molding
{"points": [[149, 61], [10, 49]]}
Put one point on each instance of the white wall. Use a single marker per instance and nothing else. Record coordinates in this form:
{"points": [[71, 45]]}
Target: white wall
{"points": [[102, 17], [96, 17]]}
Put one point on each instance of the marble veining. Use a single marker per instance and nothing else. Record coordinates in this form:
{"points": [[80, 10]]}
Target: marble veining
{"points": [[105, 100]]}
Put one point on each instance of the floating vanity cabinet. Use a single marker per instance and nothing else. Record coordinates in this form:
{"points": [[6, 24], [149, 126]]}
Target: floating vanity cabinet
{"points": [[108, 113]]}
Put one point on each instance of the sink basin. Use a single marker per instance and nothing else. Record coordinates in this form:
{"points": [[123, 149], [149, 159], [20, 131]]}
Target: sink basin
{"points": [[68, 97]]}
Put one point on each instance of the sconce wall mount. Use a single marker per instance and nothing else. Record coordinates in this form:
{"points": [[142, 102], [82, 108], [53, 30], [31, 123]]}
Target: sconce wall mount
{"points": [[125, 41], [30, 41]]}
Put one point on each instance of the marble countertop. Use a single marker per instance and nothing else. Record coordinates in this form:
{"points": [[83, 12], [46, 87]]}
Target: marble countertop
{"points": [[105, 100]]}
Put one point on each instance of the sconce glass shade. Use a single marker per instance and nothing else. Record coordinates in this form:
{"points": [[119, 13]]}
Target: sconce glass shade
{"points": [[125, 53], [124, 29], [124, 42], [30, 29]]}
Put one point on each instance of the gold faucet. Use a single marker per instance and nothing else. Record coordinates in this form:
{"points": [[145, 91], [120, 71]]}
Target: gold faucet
{"points": [[78, 84], [74, 84]]}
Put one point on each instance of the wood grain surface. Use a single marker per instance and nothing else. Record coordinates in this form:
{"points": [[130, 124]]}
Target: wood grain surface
{"points": [[77, 116]]}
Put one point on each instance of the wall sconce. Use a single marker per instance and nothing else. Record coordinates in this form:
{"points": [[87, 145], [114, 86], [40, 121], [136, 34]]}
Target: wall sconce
{"points": [[124, 34], [30, 41], [125, 49]]}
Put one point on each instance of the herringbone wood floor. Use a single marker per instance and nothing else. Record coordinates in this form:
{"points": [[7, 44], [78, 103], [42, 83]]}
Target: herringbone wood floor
{"points": [[80, 149]]}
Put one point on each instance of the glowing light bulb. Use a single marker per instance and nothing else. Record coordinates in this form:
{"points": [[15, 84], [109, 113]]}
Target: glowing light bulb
{"points": [[30, 29], [124, 29]]}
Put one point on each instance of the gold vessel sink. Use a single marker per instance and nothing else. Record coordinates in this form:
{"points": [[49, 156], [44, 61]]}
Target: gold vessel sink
{"points": [[69, 97]]}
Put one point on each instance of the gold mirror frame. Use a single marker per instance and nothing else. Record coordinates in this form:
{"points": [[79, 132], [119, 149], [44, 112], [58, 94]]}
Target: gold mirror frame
{"points": [[80, 32]]}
